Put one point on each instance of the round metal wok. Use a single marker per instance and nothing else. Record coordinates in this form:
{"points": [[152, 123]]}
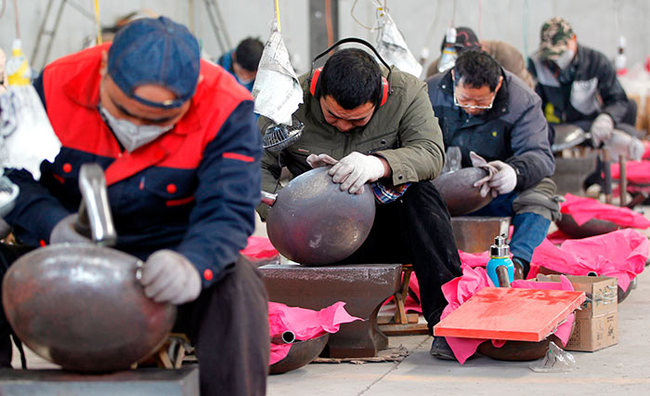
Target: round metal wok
{"points": [[458, 191], [593, 227], [313, 222], [80, 306]]}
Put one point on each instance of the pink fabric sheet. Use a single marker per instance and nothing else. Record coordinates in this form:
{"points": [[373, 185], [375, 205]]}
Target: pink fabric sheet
{"points": [[584, 209], [460, 289], [259, 248], [636, 171], [304, 323], [621, 254]]}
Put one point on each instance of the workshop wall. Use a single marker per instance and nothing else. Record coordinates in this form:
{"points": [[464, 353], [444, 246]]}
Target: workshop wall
{"points": [[423, 22]]}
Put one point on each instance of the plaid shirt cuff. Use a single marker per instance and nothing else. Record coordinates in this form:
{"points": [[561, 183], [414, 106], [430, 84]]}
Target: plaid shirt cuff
{"points": [[385, 194]]}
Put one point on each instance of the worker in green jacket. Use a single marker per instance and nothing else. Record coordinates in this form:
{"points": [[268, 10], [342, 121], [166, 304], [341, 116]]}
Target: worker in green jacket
{"points": [[377, 127]]}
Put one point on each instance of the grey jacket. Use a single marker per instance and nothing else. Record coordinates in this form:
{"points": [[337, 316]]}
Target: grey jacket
{"points": [[513, 131]]}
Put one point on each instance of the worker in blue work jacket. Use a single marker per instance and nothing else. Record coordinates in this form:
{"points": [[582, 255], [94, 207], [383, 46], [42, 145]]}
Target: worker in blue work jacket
{"points": [[178, 141]]}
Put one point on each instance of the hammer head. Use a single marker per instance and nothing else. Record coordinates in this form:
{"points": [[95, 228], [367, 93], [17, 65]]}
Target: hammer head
{"points": [[95, 220]]}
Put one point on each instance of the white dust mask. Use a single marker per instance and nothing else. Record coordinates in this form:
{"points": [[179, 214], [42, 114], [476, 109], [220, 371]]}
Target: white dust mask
{"points": [[130, 135], [564, 60]]}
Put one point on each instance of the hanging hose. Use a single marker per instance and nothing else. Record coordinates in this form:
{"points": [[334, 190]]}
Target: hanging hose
{"points": [[98, 23]]}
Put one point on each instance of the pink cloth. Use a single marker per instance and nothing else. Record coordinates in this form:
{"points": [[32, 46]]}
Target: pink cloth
{"points": [[636, 171], [304, 323], [474, 259], [621, 254], [462, 288], [584, 209], [259, 248], [557, 237]]}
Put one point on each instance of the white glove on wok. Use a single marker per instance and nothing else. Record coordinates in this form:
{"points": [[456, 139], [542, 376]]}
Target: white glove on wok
{"points": [[317, 161], [505, 180], [355, 170], [601, 129], [168, 276], [480, 162], [64, 232]]}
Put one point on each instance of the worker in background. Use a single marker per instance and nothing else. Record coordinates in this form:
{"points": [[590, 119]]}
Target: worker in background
{"points": [[379, 129], [242, 61], [578, 85], [498, 124], [505, 54], [178, 141]]}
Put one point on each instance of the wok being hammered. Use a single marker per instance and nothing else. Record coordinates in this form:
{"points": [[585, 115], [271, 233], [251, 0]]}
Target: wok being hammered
{"points": [[313, 222], [80, 305]]}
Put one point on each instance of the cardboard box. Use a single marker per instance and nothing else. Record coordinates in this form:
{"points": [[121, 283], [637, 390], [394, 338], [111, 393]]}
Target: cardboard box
{"points": [[596, 324], [601, 292], [592, 334]]}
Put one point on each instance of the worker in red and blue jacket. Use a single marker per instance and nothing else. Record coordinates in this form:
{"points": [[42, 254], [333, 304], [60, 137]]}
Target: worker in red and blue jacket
{"points": [[178, 142]]}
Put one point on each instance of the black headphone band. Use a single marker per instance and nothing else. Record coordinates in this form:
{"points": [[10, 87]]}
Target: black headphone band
{"points": [[358, 41]]}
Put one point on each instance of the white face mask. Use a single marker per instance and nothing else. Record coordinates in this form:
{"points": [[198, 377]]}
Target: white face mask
{"points": [[564, 60], [130, 135]]}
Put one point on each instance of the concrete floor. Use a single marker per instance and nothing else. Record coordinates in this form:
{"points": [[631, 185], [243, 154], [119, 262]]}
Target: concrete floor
{"points": [[621, 369]]}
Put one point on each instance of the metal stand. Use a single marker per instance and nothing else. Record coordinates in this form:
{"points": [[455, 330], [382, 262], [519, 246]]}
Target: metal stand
{"points": [[49, 33], [216, 20]]}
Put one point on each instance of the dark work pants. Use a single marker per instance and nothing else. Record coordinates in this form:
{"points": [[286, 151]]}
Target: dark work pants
{"points": [[415, 229], [228, 325]]}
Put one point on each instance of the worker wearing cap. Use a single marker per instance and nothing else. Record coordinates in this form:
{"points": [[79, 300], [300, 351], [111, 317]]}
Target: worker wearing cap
{"points": [[504, 53], [178, 141], [578, 85]]}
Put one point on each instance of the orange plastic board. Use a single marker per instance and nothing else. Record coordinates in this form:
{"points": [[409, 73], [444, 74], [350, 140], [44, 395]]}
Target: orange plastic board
{"points": [[510, 314]]}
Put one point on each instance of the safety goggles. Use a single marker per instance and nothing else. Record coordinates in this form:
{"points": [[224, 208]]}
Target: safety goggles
{"points": [[477, 107]]}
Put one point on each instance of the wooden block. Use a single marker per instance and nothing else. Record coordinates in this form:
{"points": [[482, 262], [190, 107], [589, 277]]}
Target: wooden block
{"points": [[510, 314]]}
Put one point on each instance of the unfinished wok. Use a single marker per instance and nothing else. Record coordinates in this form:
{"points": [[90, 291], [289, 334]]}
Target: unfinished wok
{"points": [[313, 222], [80, 306], [458, 191]]}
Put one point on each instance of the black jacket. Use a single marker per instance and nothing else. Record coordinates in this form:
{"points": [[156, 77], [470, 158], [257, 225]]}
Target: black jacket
{"points": [[513, 130], [587, 88]]}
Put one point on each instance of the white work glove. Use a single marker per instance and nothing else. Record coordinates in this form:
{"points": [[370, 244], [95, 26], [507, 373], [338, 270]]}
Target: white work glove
{"points": [[505, 179], [480, 162], [601, 129], [317, 161], [355, 170], [64, 232], [622, 144], [168, 276]]}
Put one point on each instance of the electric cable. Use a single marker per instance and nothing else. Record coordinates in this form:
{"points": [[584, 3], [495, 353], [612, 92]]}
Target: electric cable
{"points": [[277, 16], [16, 19], [98, 23], [328, 22]]}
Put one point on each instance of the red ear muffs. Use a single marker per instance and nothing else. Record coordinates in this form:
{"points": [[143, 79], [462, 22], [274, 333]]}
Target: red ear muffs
{"points": [[313, 86]]}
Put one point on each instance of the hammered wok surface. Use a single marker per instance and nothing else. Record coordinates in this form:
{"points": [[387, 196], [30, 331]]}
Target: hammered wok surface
{"points": [[593, 227], [518, 350], [80, 306], [300, 354], [313, 222], [458, 191]]}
